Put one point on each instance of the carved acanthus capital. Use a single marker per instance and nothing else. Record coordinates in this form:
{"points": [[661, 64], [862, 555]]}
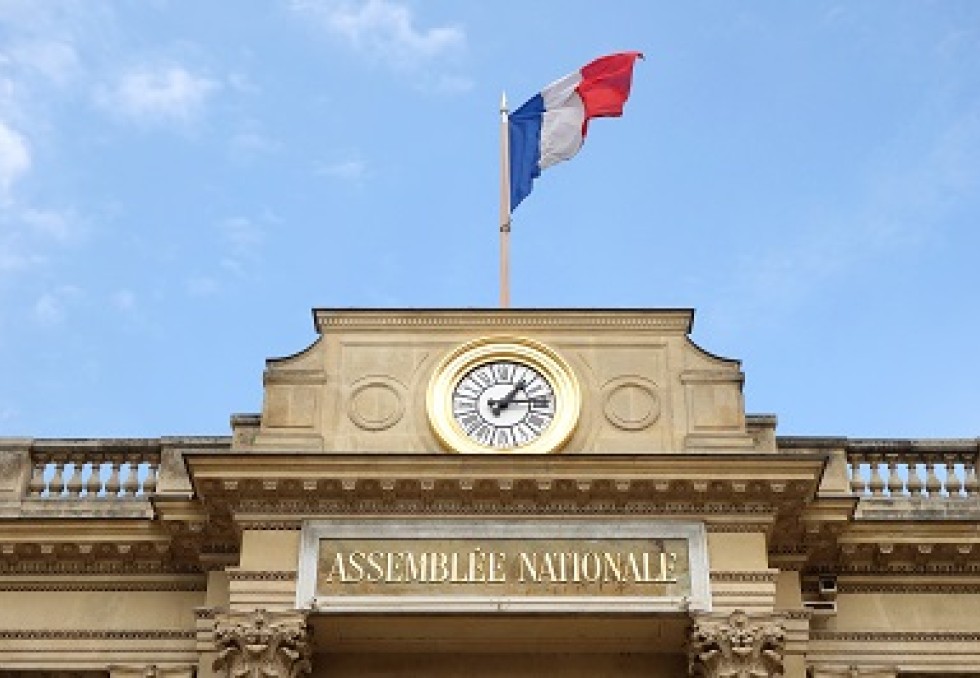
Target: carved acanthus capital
{"points": [[736, 646], [262, 644]]}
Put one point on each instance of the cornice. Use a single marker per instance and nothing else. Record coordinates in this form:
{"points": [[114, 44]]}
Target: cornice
{"points": [[671, 320], [262, 575], [91, 634], [115, 584], [744, 576], [897, 636]]}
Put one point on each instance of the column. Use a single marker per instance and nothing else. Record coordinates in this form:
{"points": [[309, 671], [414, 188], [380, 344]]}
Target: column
{"points": [[736, 645], [263, 644]]}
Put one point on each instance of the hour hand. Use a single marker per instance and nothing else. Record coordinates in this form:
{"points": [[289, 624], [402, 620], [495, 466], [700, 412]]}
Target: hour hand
{"points": [[497, 405]]}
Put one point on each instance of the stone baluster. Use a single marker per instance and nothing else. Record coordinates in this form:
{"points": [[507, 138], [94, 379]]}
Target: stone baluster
{"points": [[857, 477], [74, 485], [131, 481], [915, 483], [953, 480], [93, 485], [57, 484], [896, 487], [933, 485], [113, 485], [878, 479], [970, 485], [150, 481], [37, 486]]}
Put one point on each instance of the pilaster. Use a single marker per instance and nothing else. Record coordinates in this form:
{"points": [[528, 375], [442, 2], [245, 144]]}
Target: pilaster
{"points": [[736, 645], [263, 644]]}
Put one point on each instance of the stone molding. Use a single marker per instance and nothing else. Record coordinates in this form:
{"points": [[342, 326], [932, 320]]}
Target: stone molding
{"points": [[116, 585], [262, 644], [747, 576], [853, 671], [736, 645], [897, 636], [262, 575], [101, 634], [676, 320], [151, 671]]}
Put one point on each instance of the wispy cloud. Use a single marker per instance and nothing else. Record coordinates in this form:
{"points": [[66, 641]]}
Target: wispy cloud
{"points": [[124, 300], [162, 94], [903, 208], [15, 159], [385, 30], [55, 60], [201, 286], [51, 308], [347, 170]]}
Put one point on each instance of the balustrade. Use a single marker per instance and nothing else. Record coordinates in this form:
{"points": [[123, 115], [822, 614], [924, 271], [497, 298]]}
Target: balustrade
{"points": [[80, 473], [935, 472]]}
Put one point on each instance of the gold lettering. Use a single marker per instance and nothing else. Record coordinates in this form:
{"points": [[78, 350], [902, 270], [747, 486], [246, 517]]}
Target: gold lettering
{"points": [[647, 575], [612, 565], [456, 578], [394, 570], [529, 566], [562, 567], [337, 570], [634, 567], [374, 562], [596, 569], [668, 566], [415, 569], [438, 566], [476, 569], [354, 559], [498, 574], [547, 566], [576, 568]]}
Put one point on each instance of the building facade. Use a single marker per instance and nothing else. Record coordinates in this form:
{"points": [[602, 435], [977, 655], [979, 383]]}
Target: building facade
{"points": [[492, 493]]}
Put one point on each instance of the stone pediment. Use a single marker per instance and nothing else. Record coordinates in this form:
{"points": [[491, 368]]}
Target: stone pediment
{"points": [[361, 386]]}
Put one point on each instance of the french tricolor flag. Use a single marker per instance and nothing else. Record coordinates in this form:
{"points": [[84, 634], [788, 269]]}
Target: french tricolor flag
{"points": [[551, 126]]}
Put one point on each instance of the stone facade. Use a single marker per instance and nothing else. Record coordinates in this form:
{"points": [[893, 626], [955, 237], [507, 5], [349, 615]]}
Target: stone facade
{"points": [[183, 556]]}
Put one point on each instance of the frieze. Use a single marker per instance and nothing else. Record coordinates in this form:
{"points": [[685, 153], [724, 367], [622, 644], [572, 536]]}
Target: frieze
{"points": [[76, 634], [263, 575], [897, 636], [743, 576], [743, 594], [679, 322], [44, 567], [435, 506], [116, 585]]}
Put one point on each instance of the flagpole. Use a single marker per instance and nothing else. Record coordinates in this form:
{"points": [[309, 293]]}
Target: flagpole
{"points": [[504, 205]]}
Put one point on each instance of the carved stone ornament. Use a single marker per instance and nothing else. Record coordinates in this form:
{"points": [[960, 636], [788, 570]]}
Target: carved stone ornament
{"points": [[736, 647], [262, 644]]}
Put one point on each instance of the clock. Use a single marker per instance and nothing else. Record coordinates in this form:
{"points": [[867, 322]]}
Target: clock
{"points": [[503, 394]]}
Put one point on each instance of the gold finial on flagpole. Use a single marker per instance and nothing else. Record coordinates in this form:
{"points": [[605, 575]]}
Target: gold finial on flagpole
{"points": [[504, 204]]}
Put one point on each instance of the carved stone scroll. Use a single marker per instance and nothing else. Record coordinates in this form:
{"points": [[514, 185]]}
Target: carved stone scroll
{"points": [[262, 644], [736, 646]]}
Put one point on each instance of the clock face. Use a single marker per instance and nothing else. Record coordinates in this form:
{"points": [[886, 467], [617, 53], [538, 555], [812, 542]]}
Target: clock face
{"points": [[503, 394], [503, 404]]}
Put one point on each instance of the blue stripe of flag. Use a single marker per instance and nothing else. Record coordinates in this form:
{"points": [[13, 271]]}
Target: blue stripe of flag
{"points": [[524, 127]]}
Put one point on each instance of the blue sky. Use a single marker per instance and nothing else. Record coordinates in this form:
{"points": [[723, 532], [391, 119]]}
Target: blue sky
{"points": [[180, 182]]}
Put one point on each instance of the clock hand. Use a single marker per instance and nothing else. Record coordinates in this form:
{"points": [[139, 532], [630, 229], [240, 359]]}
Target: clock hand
{"points": [[497, 405], [541, 400]]}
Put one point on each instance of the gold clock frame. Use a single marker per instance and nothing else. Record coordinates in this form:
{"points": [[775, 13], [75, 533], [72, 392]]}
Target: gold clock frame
{"points": [[458, 363]]}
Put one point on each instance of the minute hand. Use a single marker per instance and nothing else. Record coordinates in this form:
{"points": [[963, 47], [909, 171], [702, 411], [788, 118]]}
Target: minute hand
{"points": [[542, 400], [497, 405]]}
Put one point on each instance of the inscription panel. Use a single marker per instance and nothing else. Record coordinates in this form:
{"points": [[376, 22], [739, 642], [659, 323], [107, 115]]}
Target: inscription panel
{"points": [[525, 565]]}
